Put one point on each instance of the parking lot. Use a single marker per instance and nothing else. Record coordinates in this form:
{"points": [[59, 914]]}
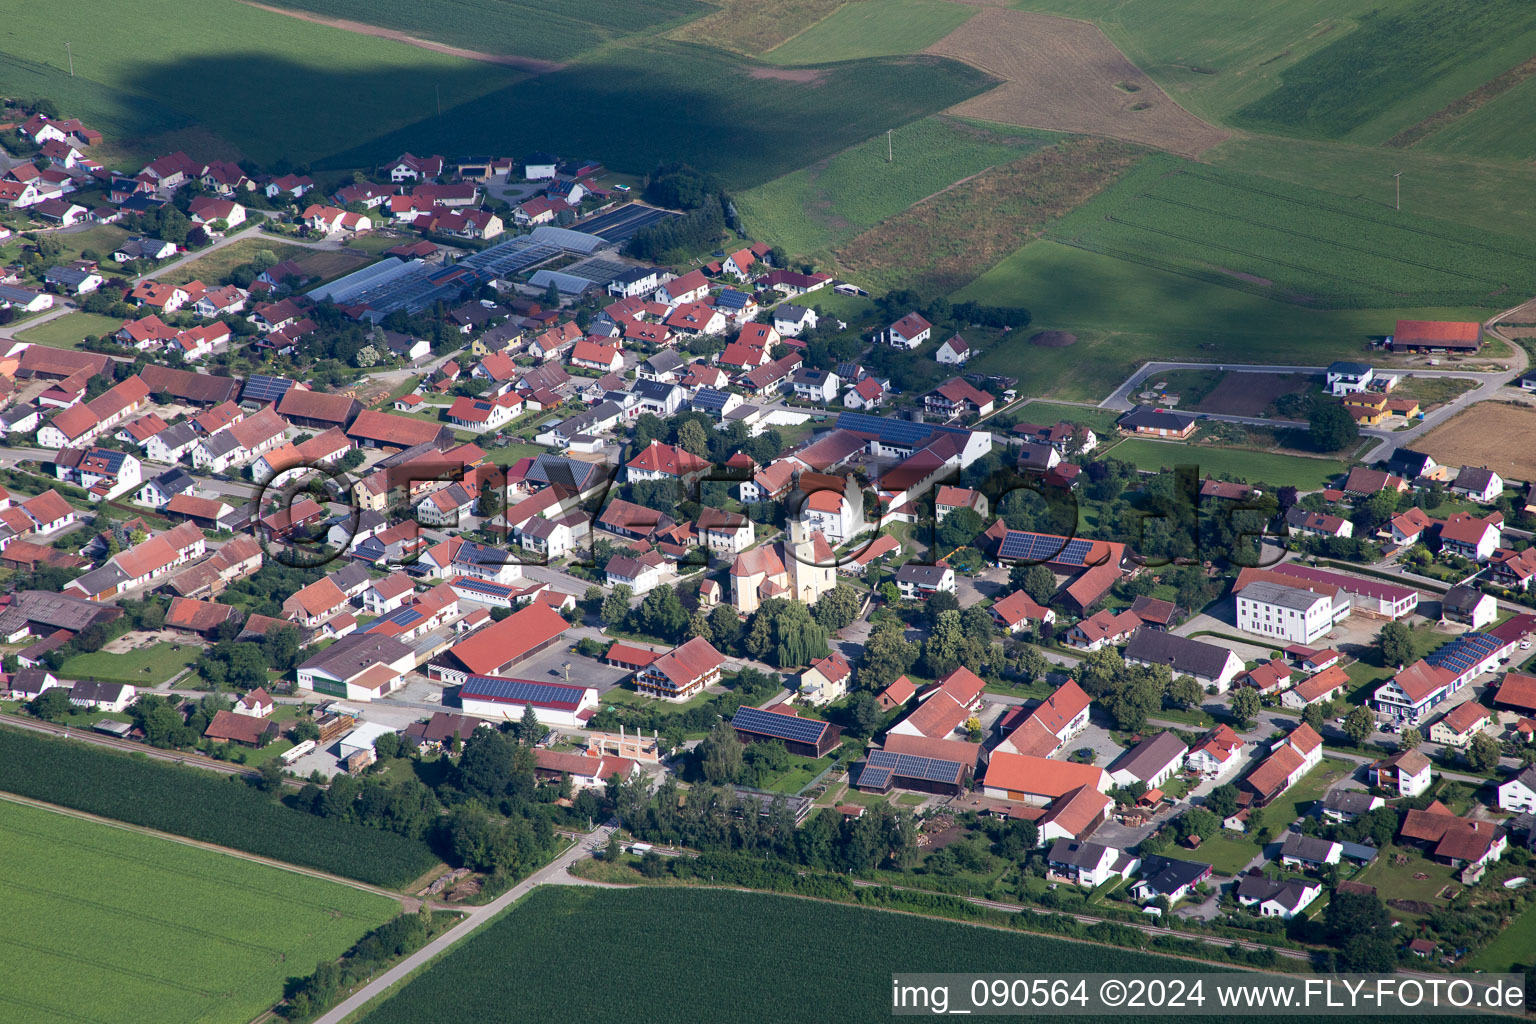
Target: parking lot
{"points": [[549, 667]]}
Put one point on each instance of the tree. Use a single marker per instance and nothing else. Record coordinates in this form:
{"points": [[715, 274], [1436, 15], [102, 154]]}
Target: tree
{"points": [[887, 655], [270, 775], [1031, 662], [1101, 672], [52, 704], [662, 614], [1313, 715], [1245, 705], [1141, 695], [1038, 582], [1395, 642], [616, 605], [552, 297], [1483, 752], [960, 527], [1222, 801], [1359, 725], [1184, 692], [724, 629], [1409, 738], [614, 849], [720, 755], [691, 438], [1330, 427], [529, 729], [1368, 954], [1197, 821], [864, 714], [836, 608]]}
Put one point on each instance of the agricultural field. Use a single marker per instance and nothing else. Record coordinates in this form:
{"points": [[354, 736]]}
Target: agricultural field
{"points": [[1124, 314], [211, 268], [1273, 468], [873, 28], [204, 806], [543, 29], [1300, 245], [1513, 950], [1254, 394], [755, 26], [1492, 434], [290, 88], [1495, 128], [745, 121], [1065, 75], [69, 330], [672, 990], [111, 924], [1101, 421], [1399, 66], [948, 239], [816, 208]]}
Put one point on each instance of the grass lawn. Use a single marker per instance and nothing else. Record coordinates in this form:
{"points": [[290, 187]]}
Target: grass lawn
{"points": [[1514, 949], [1229, 852], [510, 453], [210, 268], [69, 330], [1368, 672], [180, 933], [1100, 421], [625, 695], [1226, 852], [1396, 881], [798, 775], [873, 30], [1126, 313], [1432, 391], [1271, 468], [147, 667]]}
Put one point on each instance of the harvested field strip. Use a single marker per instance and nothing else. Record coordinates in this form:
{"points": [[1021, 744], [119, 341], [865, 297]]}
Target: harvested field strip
{"points": [[873, 28], [1065, 75], [946, 241], [1492, 434], [755, 26], [1472, 101]]}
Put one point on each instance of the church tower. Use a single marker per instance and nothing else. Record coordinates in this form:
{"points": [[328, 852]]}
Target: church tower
{"points": [[808, 560]]}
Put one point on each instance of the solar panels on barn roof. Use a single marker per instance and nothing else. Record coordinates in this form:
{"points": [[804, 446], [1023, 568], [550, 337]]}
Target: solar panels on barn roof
{"points": [[780, 726], [903, 433], [1464, 652], [486, 587], [407, 616], [911, 766], [521, 691], [1044, 547], [261, 388]]}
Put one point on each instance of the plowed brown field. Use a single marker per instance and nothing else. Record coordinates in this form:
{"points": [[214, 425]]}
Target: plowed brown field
{"points": [[1065, 75], [1498, 435]]}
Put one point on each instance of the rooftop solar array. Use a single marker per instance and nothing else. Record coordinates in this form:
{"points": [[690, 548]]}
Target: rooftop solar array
{"points": [[710, 399], [521, 691], [621, 225], [111, 460], [361, 281], [784, 727], [570, 284], [486, 587], [261, 388], [1043, 547], [1465, 652], [875, 775], [911, 766], [597, 270], [567, 239], [901, 433]]}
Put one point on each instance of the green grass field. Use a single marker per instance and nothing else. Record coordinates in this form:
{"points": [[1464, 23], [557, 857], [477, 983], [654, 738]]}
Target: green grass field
{"points": [[211, 267], [148, 667], [1101, 421], [236, 72], [127, 927], [69, 330], [546, 29], [1126, 313], [1267, 467], [873, 28], [1491, 130], [1513, 950], [745, 121], [747, 966], [1298, 244], [816, 208], [1400, 65]]}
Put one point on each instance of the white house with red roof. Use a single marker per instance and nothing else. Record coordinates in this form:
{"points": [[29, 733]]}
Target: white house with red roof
{"points": [[909, 332], [954, 352], [690, 287]]}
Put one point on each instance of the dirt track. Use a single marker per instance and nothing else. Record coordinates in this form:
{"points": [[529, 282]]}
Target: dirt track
{"points": [[1065, 75], [529, 64]]}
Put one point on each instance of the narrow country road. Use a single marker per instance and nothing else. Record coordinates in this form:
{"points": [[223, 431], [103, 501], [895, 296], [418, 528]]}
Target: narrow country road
{"points": [[552, 873]]}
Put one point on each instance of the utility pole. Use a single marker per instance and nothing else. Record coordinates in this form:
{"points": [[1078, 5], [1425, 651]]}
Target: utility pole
{"points": [[71, 54], [888, 145], [1397, 203]]}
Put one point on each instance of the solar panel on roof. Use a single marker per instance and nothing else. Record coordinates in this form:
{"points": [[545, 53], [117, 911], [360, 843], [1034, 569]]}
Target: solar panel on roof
{"points": [[913, 766], [262, 388], [875, 775], [785, 727], [522, 691]]}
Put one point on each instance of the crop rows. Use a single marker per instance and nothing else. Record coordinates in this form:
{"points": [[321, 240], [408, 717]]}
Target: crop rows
{"points": [[194, 803], [126, 927], [1389, 57], [1310, 246]]}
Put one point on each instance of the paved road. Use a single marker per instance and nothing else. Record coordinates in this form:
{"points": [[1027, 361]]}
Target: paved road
{"points": [[161, 269], [552, 873]]}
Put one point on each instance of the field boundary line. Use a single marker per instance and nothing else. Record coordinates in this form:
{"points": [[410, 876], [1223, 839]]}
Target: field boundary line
{"points": [[199, 844], [786, 41]]}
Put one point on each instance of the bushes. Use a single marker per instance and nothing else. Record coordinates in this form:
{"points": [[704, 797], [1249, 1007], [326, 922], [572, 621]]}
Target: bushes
{"points": [[194, 803]]}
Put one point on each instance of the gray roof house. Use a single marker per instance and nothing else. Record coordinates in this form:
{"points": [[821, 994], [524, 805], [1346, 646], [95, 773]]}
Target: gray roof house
{"points": [[1208, 664]]}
